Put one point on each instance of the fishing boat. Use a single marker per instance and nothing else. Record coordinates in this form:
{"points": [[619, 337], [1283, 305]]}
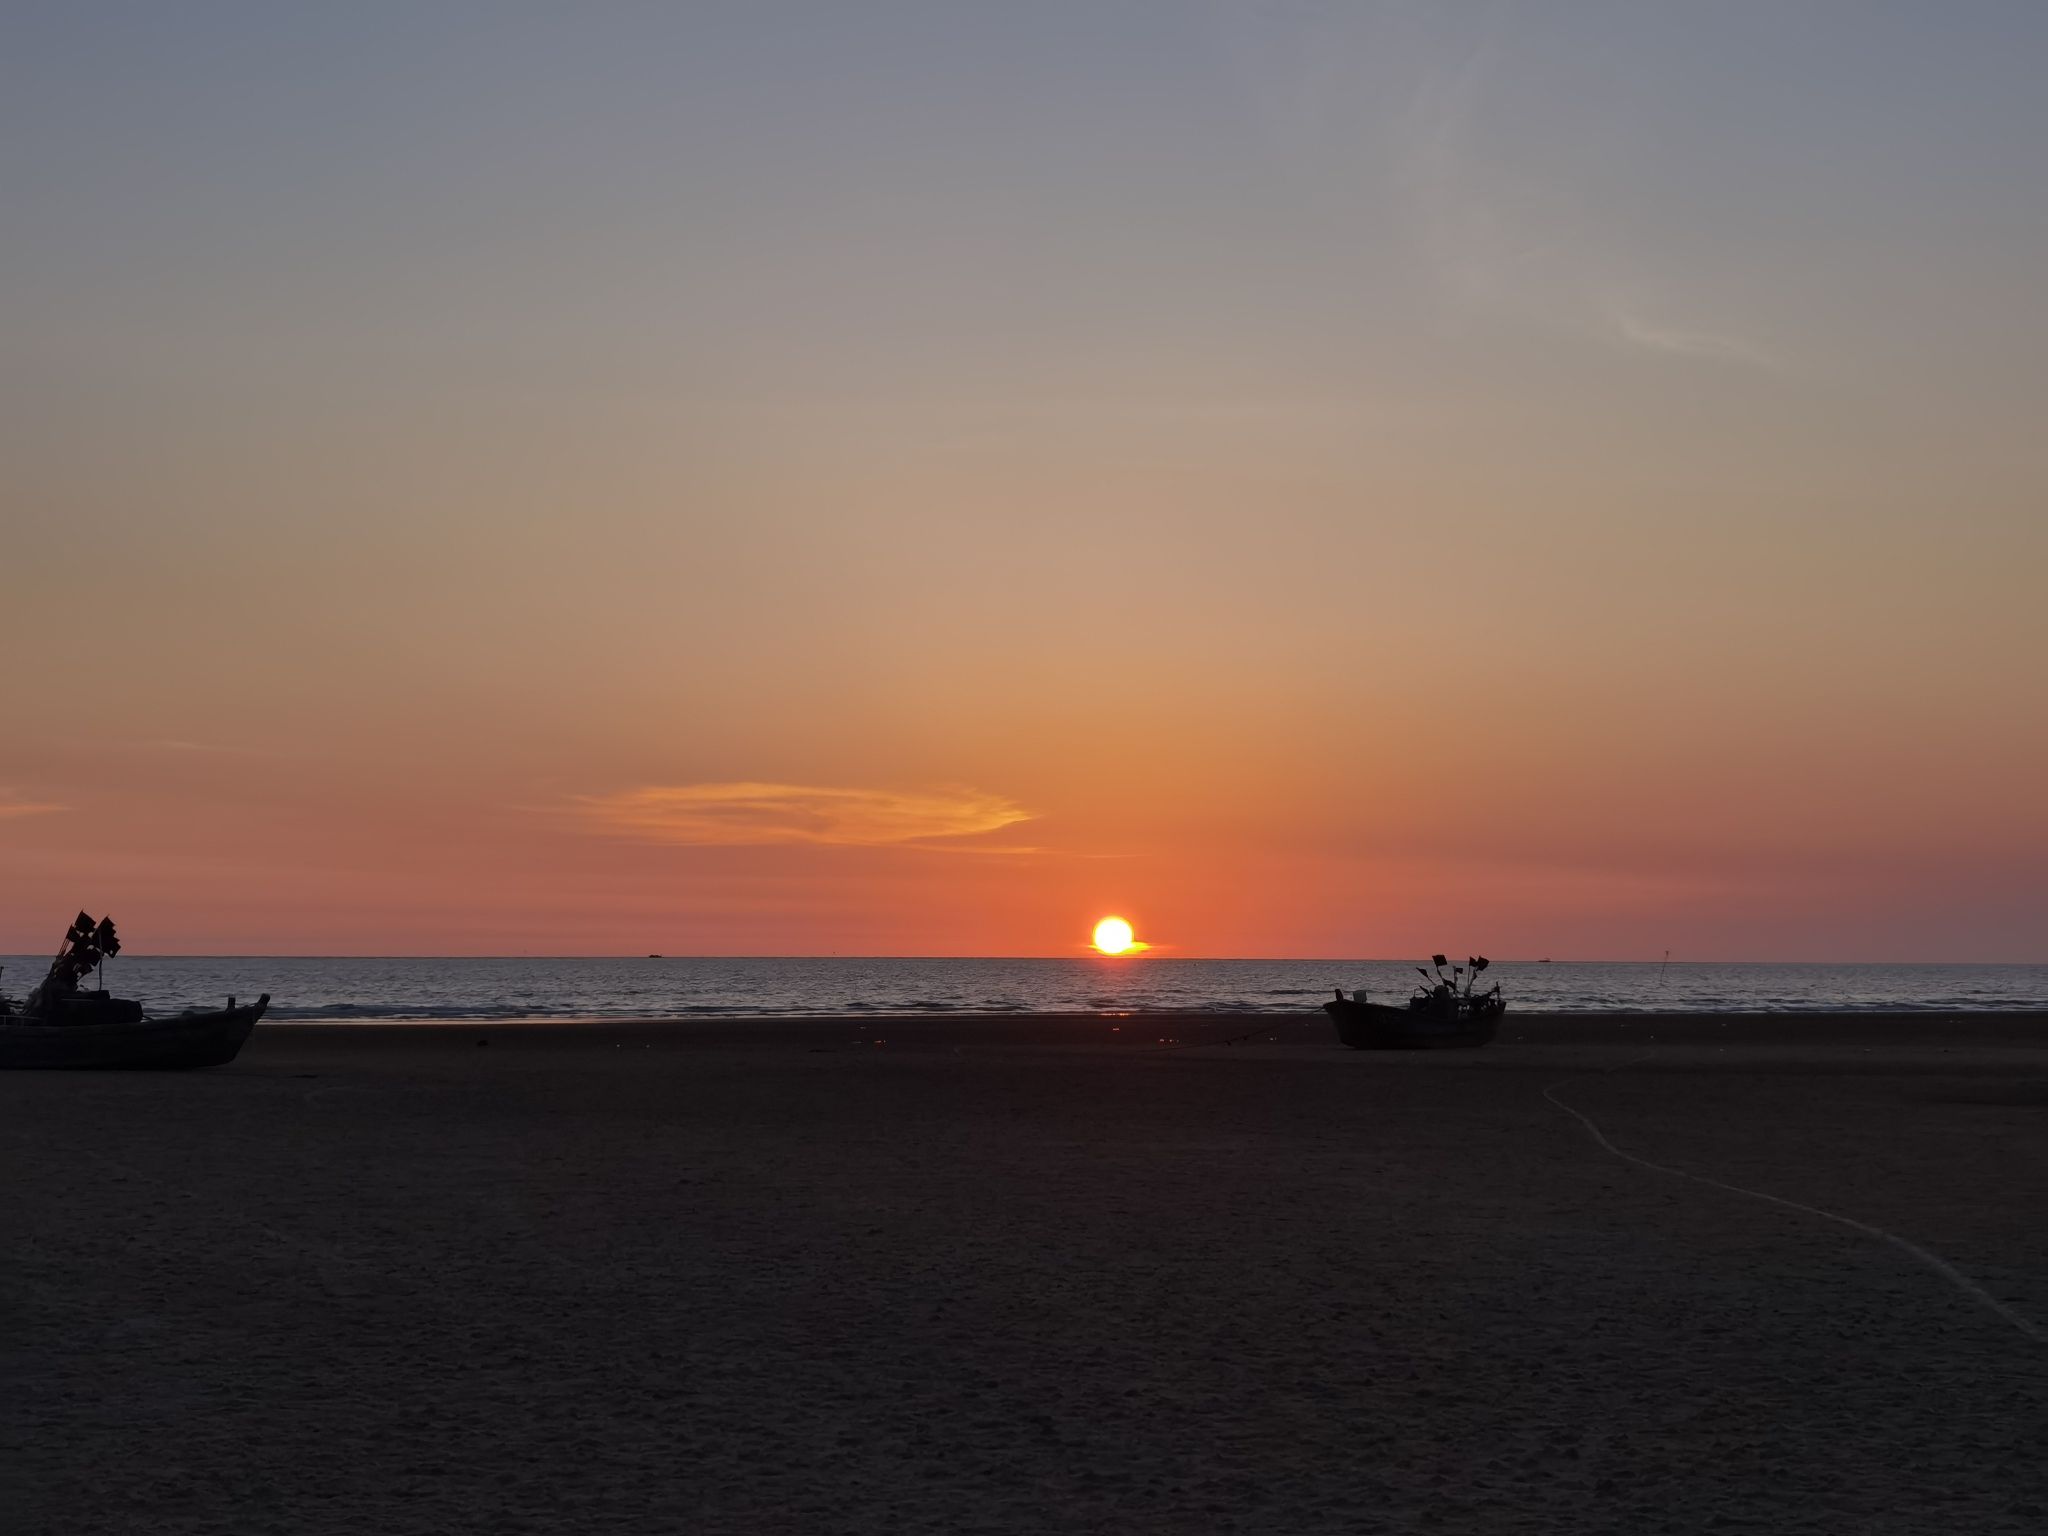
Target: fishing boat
{"points": [[1440, 1015], [63, 1025]]}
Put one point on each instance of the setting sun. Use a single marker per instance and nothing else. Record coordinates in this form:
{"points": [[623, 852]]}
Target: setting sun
{"points": [[1113, 936]]}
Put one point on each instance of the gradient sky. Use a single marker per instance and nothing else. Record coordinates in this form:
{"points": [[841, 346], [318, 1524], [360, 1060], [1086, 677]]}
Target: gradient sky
{"points": [[1320, 479]]}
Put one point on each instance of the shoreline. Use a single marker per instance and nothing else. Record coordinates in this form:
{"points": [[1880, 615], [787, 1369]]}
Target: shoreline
{"points": [[2035, 1012], [2014, 1026]]}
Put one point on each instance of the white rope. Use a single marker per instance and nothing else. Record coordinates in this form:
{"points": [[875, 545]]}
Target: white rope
{"points": [[1935, 1262]]}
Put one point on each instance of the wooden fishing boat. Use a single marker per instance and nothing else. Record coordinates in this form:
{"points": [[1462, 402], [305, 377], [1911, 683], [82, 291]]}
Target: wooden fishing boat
{"points": [[1378, 1027], [200, 1038], [1437, 1017], [62, 1025]]}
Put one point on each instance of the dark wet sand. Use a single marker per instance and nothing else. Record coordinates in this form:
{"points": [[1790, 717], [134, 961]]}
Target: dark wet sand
{"points": [[1032, 1274]]}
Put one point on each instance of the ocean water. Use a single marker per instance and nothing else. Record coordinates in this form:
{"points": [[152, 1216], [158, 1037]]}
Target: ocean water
{"points": [[312, 988]]}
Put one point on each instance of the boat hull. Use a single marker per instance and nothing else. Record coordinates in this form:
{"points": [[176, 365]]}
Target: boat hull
{"points": [[1376, 1027], [187, 1040]]}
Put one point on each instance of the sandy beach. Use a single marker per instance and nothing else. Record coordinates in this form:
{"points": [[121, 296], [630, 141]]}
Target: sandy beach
{"points": [[1036, 1274]]}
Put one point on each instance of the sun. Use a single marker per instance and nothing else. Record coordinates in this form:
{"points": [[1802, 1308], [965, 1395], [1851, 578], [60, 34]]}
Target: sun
{"points": [[1113, 936]]}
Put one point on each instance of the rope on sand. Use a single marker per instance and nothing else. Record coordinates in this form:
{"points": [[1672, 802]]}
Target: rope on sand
{"points": [[1935, 1262]]}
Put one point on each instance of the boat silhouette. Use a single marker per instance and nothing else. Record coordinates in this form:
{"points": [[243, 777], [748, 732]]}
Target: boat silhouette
{"points": [[1438, 1016], [63, 1025]]}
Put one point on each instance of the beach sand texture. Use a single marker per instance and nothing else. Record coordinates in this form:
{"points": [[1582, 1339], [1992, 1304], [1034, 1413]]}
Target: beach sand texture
{"points": [[1033, 1274]]}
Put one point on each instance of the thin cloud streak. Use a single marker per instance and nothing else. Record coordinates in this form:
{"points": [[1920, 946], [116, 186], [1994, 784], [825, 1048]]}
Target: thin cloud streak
{"points": [[1533, 249], [755, 814], [1704, 346], [1500, 230], [11, 805]]}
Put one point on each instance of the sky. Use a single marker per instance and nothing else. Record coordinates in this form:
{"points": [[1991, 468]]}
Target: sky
{"points": [[766, 478]]}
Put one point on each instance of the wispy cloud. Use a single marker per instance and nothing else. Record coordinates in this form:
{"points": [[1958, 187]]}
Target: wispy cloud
{"points": [[1702, 346], [1419, 115], [741, 814], [12, 805]]}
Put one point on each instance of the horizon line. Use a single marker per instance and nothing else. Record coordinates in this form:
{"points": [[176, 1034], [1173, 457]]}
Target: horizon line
{"points": [[1083, 952]]}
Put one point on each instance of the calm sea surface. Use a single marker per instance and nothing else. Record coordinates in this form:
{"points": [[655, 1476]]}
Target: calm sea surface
{"points": [[315, 989]]}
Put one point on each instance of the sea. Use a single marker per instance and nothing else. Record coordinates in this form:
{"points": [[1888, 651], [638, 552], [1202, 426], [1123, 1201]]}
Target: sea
{"points": [[317, 989]]}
